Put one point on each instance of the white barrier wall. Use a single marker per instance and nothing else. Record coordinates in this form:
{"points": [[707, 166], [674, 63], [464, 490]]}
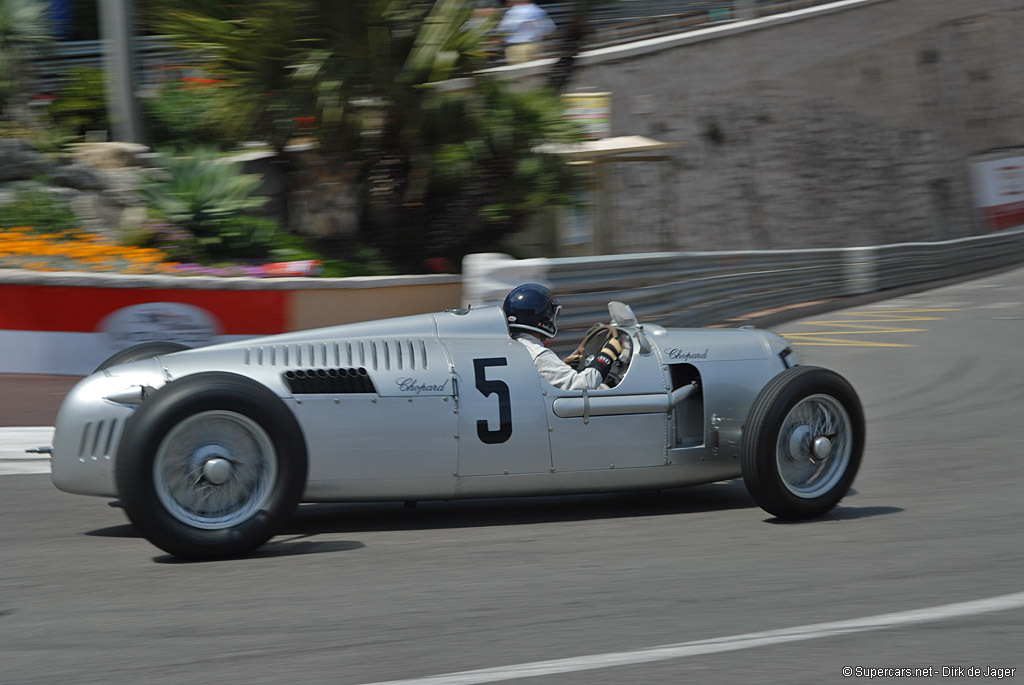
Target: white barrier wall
{"points": [[703, 288]]}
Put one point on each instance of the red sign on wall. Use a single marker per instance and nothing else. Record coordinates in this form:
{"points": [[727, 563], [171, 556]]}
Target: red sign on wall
{"points": [[998, 180]]}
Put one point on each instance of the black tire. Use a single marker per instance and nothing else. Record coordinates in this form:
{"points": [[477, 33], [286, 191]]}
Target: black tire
{"points": [[802, 443], [141, 351], [207, 440]]}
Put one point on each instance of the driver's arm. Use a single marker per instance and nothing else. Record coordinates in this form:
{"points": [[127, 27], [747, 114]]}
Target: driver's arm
{"points": [[603, 361], [561, 375]]}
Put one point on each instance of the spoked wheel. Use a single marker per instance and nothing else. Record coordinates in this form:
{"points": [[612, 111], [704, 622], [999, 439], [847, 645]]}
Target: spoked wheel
{"points": [[215, 469], [803, 442], [211, 466]]}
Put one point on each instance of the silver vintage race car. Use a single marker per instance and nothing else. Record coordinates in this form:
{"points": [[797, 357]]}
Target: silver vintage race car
{"points": [[210, 450]]}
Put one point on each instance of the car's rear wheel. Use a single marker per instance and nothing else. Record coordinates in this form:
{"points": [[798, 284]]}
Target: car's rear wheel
{"points": [[211, 466], [144, 350], [803, 443]]}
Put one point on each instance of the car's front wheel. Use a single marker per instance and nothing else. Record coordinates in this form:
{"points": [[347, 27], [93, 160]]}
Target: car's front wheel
{"points": [[210, 466], [803, 442]]}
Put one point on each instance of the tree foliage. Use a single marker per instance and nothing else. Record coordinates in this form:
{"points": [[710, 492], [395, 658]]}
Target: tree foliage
{"points": [[446, 160], [23, 23], [80, 104]]}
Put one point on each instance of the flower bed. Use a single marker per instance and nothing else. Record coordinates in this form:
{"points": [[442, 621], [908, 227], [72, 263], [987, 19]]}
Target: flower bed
{"points": [[22, 248]]}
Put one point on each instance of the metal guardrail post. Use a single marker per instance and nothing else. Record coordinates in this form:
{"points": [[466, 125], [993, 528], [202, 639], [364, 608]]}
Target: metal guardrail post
{"points": [[117, 29], [744, 9]]}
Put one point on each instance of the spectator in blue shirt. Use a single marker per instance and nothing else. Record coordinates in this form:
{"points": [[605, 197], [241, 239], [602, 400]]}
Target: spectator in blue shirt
{"points": [[524, 27]]}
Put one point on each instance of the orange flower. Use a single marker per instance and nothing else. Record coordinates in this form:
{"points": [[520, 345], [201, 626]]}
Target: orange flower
{"points": [[20, 248]]}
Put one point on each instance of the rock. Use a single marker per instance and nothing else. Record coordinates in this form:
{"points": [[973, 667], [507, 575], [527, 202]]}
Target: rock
{"points": [[80, 177], [21, 161], [109, 155]]}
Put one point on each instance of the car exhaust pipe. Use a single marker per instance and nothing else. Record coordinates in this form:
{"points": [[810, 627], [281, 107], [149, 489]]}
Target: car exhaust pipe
{"points": [[680, 394], [613, 405]]}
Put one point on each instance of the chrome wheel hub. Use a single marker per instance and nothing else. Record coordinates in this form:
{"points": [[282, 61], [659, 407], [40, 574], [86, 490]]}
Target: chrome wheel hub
{"points": [[215, 469], [821, 448], [814, 446]]}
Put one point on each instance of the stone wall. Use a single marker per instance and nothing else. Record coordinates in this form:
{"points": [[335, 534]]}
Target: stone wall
{"points": [[842, 127]]}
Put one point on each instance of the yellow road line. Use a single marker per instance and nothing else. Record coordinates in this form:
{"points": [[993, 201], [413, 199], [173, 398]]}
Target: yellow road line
{"points": [[843, 322], [839, 342], [867, 330], [848, 326], [901, 311]]}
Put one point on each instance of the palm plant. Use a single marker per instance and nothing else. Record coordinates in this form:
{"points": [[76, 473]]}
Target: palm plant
{"points": [[250, 48], [205, 196], [477, 172], [439, 169]]}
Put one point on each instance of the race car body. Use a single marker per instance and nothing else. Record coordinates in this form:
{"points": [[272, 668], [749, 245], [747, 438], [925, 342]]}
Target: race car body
{"points": [[211, 449]]}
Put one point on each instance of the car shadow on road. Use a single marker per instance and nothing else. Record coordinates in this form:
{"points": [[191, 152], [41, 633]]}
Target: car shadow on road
{"points": [[126, 530], [840, 514], [275, 548], [297, 537], [313, 519]]}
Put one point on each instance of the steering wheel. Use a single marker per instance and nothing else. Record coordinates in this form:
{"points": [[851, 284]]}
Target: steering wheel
{"points": [[590, 347]]}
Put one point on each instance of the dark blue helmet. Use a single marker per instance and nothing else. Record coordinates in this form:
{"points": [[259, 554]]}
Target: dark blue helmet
{"points": [[533, 308]]}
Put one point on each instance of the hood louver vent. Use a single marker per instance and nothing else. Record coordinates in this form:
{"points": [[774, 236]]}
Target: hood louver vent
{"points": [[394, 354]]}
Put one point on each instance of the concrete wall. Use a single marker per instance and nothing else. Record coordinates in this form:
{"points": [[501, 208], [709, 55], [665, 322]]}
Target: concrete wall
{"points": [[847, 125]]}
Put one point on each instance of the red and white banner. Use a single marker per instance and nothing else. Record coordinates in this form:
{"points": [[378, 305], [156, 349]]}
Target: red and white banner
{"points": [[998, 181], [70, 330]]}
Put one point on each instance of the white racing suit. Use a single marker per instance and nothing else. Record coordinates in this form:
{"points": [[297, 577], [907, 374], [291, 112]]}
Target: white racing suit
{"points": [[557, 372]]}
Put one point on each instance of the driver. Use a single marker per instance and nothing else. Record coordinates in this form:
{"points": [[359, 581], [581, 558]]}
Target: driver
{"points": [[531, 310]]}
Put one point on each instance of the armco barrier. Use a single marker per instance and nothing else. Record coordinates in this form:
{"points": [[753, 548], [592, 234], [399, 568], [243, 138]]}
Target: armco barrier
{"points": [[702, 288], [67, 323]]}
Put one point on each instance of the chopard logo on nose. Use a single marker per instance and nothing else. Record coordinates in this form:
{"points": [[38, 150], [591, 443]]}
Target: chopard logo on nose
{"points": [[414, 386], [677, 354]]}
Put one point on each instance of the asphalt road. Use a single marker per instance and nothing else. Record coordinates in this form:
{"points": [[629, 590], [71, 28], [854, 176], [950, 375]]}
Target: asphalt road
{"points": [[369, 593]]}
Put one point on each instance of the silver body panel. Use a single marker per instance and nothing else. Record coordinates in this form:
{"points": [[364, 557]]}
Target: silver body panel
{"points": [[457, 409]]}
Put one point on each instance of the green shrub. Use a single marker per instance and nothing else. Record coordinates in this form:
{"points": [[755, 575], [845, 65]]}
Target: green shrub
{"points": [[187, 113], [44, 212], [364, 261], [238, 238], [243, 237], [80, 105], [208, 198]]}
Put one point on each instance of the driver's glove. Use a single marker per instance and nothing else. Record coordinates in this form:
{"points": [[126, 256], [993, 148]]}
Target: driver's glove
{"points": [[613, 348], [609, 354]]}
